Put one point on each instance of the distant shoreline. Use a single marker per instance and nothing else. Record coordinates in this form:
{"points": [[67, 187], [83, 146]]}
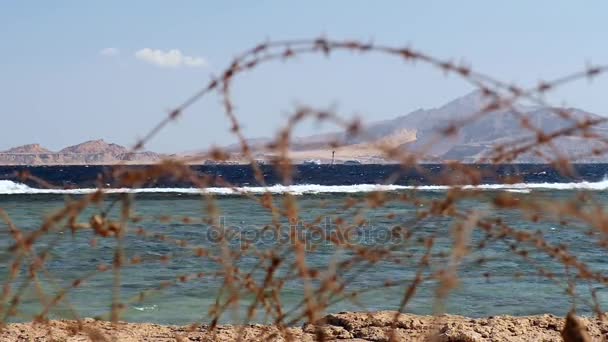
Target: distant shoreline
{"points": [[135, 163]]}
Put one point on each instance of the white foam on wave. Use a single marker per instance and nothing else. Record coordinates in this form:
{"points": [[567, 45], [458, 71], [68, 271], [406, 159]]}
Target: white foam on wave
{"points": [[523, 191], [8, 187]]}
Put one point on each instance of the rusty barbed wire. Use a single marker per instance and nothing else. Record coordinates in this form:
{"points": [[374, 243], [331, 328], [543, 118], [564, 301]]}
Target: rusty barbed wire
{"points": [[259, 286]]}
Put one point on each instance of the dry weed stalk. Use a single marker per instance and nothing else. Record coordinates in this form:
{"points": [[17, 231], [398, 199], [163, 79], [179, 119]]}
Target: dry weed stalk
{"points": [[322, 286]]}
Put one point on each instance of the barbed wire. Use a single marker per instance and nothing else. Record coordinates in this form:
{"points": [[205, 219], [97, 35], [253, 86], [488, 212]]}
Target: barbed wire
{"points": [[259, 286]]}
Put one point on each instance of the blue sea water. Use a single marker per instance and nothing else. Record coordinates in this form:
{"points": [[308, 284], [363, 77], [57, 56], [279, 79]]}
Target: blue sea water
{"points": [[503, 284], [239, 175]]}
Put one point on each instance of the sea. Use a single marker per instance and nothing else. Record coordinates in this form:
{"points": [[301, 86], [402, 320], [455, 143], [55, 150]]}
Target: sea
{"points": [[504, 283]]}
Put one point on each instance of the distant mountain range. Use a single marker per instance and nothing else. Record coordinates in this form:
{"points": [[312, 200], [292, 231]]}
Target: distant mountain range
{"points": [[418, 132], [89, 152], [421, 132]]}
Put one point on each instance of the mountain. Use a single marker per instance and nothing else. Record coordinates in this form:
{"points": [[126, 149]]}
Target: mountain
{"points": [[95, 146], [30, 148], [89, 152], [423, 132]]}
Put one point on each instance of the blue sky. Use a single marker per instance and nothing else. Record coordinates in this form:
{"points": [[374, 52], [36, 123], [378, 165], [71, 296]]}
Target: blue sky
{"points": [[58, 88]]}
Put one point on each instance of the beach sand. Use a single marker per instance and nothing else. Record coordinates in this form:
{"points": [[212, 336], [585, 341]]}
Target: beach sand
{"points": [[351, 326]]}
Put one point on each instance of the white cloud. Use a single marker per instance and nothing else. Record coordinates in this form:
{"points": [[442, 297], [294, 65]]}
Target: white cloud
{"points": [[170, 59], [194, 61], [109, 52]]}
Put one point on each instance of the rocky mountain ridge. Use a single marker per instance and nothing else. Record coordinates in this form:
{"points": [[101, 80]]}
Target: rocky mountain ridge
{"points": [[420, 132], [88, 152], [474, 141]]}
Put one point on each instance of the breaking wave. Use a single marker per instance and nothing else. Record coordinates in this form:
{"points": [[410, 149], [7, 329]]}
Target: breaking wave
{"points": [[8, 187]]}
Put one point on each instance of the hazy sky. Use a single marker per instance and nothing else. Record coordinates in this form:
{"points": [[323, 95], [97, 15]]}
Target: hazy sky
{"points": [[77, 70]]}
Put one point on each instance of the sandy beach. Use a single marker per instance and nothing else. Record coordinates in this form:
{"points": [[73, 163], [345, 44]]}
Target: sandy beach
{"points": [[345, 326]]}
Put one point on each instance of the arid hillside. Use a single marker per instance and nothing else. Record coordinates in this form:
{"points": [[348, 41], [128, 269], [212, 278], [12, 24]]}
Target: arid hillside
{"points": [[89, 152], [422, 132]]}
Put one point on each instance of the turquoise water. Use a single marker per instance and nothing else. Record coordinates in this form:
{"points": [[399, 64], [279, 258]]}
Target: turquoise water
{"points": [[504, 284]]}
